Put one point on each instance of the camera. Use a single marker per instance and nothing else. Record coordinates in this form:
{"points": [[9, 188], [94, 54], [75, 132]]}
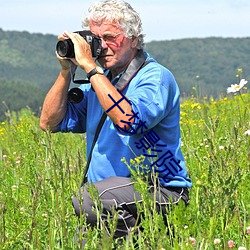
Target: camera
{"points": [[65, 48]]}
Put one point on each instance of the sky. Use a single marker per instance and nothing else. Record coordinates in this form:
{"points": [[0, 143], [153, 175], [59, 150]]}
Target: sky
{"points": [[162, 19]]}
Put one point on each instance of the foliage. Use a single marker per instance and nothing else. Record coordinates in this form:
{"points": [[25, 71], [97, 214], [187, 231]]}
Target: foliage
{"points": [[14, 95], [40, 172], [208, 62], [28, 68], [29, 59]]}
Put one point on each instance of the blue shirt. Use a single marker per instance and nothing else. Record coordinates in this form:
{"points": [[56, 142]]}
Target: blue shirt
{"points": [[155, 133]]}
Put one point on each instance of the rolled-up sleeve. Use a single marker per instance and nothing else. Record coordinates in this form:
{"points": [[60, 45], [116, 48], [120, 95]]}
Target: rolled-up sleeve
{"points": [[75, 117]]}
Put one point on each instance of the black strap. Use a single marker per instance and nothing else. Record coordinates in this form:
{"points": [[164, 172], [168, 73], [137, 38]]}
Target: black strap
{"points": [[136, 64], [97, 132]]}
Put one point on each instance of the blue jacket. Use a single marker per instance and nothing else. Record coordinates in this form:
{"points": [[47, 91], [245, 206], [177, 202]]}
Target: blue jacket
{"points": [[155, 133]]}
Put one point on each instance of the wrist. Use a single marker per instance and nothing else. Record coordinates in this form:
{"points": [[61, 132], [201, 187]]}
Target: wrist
{"points": [[97, 70], [65, 73]]}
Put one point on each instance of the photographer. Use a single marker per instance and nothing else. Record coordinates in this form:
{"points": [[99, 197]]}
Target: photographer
{"points": [[141, 100]]}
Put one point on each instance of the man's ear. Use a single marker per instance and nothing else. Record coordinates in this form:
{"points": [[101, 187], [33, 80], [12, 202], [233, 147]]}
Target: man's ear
{"points": [[134, 42]]}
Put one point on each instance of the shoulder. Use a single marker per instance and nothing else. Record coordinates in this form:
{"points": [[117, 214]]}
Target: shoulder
{"points": [[155, 71]]}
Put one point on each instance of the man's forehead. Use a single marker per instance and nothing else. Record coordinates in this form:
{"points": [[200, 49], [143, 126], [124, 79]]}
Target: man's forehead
{"points": [[105, 26]]}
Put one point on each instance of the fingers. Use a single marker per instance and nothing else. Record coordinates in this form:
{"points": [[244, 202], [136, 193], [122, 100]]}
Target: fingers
{"points": [[65, 61], [67, 35], [82, 49], [70, 35], [63, 36]]}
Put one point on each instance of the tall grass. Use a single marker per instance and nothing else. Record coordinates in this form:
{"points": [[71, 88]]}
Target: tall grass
{"points": [[40, 172]]}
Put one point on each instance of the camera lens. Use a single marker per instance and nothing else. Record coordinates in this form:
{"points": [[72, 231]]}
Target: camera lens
{"points": [[65, 48], [75, 95]]}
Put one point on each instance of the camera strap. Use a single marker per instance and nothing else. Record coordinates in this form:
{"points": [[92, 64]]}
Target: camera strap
{"points": [[136, 64]]}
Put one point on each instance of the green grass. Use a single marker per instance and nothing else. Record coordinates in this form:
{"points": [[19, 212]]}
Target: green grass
{"points": [[40, 172]]}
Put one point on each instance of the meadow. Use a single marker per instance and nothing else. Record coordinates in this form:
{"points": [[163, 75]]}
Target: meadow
{"points": [[40, 172]]}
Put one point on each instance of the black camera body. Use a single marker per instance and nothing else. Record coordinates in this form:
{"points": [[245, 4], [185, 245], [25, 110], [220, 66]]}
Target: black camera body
{"points": [[65, 48]]}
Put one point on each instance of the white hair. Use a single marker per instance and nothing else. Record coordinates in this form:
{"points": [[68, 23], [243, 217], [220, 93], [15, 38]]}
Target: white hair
{"points": [[120, 13]]}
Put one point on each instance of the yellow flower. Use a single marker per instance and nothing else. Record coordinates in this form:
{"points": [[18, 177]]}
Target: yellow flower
{"points": [[195, 105], [240, 70], [138, 160], [132, 162]]}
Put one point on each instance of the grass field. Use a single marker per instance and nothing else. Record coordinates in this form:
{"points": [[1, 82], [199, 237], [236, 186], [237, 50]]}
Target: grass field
{"points": [[40, 172]]}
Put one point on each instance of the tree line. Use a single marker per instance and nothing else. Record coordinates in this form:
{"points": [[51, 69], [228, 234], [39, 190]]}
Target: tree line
{"points": [[202, 67]]}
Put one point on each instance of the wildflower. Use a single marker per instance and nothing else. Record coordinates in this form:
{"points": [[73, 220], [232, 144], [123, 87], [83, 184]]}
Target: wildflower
{"points": [[230, 244], [221, 147], [132, 162], [247, 133], [138, 160], [216, 241], [123, 159], [14, 188], [240, 70], [198, 182], [242, 248], [237, 87], [195, 105], [248, 230], [45, 216], [192, 240]]}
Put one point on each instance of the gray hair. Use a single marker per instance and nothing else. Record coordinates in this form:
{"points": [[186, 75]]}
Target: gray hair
{"points": [[120, 13]]}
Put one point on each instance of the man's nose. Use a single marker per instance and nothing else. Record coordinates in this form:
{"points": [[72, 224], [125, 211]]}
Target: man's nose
{"points": [[104, 44]]}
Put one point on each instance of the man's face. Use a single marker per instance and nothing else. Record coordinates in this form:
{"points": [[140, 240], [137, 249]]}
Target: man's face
{"points": [[118, 50]]}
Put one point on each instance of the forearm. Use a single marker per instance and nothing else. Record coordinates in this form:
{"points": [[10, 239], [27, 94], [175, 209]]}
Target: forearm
{"points": [[103, 89], [55, 103]]}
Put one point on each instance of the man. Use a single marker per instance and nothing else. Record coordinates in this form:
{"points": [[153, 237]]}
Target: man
{"points": [[141, 100]]}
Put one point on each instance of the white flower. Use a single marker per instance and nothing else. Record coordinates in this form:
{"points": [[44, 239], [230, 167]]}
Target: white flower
{"points": [[217, 241], [22, 210], [221, 147], [246, 133], [192, 240], [242, 248], [237, 87]]}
